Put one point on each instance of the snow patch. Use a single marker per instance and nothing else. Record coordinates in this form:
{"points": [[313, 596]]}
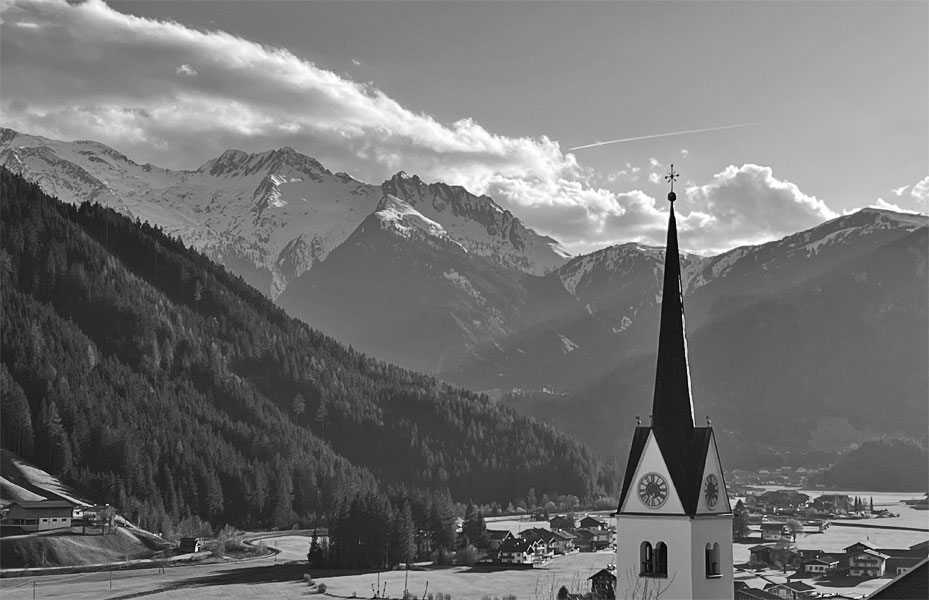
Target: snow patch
{"points": [[464, 284], [567, 345], [403, 218]]}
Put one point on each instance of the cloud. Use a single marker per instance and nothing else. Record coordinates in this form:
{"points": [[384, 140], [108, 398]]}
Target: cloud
{"points": [[884, 205], [186, 70], [747, 205], [920, 193], [86, 71]]}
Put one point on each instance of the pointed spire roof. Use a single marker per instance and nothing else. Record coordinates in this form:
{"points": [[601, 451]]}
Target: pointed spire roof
{"points": [[672, 407]]}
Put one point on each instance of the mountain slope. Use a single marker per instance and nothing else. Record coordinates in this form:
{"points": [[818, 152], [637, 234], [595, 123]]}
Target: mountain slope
{"points": [[170, 387], [402, 287], [772, 366], [615, 296]]}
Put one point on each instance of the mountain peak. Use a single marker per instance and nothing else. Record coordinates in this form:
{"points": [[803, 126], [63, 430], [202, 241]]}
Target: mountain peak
{"points": [[285, 159], [479, 224], [892, 217]]}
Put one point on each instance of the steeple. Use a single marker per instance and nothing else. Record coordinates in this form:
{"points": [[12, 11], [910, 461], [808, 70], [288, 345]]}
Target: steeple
{"points": [[672, 407]]}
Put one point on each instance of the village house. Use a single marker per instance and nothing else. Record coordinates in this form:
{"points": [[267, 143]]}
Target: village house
{"points": [[40, 515], [822, 565], [867, 563], [603, 585], [791, 590], [743, 592], [564, 522], [779, 555], [777, 531], [497, 537], [557, 542], [590, 522], [591, 540], [761, 554], [518, 551]]}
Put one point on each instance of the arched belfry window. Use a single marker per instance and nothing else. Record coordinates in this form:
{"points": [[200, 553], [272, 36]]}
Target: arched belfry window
{"points": [[661, 559], [712, 560], [646, 559]]}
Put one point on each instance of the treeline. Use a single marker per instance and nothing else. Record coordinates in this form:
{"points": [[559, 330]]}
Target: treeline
{"points": [[400, 526], [141, 372]]}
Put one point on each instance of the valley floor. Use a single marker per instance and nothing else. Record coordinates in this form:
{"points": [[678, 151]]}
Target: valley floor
{"points": [[281, 575]]}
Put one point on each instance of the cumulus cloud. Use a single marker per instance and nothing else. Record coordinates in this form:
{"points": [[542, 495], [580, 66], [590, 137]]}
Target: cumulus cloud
{"points": [[920, 193], [748, 204], [86, 71], [900, 190]]}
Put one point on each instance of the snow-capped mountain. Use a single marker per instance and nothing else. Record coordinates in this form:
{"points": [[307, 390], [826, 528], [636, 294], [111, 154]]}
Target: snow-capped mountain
{"points": [[479, 224], [269, 216]]}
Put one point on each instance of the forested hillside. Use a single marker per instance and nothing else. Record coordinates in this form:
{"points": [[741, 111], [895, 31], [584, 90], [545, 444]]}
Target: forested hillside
{"points": [[151, 378]]}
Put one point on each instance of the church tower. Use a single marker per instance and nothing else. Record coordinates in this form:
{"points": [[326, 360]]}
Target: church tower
{"points": [[674, 521]]}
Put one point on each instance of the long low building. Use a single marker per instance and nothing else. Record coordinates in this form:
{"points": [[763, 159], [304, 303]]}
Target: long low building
{"points": [[40, 515]]}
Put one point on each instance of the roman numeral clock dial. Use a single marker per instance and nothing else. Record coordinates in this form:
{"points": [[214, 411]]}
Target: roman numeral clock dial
{"points": [[653, 490]]}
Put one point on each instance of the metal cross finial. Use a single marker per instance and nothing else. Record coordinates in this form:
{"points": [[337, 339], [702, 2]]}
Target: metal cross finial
{"points": [[671, 177]]}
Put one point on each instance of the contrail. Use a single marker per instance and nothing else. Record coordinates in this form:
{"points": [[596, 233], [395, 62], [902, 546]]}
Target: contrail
{"points": [[658, 135]]}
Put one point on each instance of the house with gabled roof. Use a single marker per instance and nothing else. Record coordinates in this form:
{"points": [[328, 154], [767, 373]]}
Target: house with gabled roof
{"points": [[521, 551], [867, 563], [39, 515], [822, 565], [498, 536], [591, 522], [743, 592], [603, 585], [791, 590], [565, 522]]}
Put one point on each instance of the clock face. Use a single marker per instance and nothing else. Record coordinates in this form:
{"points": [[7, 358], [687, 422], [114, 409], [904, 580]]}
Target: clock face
{"points": [[711, 490], [653, 490]]}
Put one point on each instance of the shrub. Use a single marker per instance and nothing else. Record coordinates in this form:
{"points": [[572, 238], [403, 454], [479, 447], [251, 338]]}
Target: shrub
{"points": [[321, 588]]}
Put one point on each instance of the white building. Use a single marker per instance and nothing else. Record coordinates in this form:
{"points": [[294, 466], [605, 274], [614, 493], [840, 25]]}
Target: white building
{"points": [[674, 521]]}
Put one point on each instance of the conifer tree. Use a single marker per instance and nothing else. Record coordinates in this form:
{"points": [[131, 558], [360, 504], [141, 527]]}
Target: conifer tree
{"points": [[16, 423], [52, 446]]}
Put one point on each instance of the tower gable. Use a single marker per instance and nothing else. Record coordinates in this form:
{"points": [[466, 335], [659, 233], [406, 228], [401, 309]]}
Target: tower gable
{"points": [[714, 468], [651, 462]]}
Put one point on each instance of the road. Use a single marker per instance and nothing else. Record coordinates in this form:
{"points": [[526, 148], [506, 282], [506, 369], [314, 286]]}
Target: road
{"points": [[174, 581]]}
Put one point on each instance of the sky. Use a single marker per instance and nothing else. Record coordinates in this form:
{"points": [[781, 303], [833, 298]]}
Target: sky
{"points": [[832, 99]]}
